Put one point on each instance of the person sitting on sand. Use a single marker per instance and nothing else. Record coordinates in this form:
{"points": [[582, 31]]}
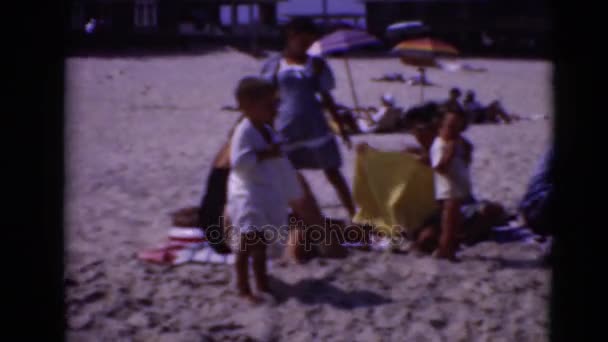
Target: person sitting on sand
{"points": [[473, 109], [419, 79], [262, 183], [384, 119], [496, 114], [453, 102]]}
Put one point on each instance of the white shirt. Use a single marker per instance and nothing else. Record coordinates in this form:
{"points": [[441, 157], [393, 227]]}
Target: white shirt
{"points": [[259, 191], [456, 182], [386, 118]]}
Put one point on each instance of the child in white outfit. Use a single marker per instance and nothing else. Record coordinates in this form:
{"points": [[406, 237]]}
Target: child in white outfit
{"points": [[262, 182], [450, 158]]}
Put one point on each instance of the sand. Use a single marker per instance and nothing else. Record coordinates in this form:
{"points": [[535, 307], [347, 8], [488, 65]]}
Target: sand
{"points": [[140, 136]]}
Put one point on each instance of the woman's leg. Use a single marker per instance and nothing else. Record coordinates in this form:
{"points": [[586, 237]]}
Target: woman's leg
{"points": [[312, 211], [308, 211], [295, 249], [338, 181]]}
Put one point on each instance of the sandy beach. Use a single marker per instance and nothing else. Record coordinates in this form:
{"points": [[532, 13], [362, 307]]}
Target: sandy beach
{"points": [[140, 137]]}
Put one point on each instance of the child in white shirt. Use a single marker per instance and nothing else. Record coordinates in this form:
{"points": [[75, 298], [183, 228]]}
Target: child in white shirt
{"points": [[262, 183], [451, 159]]}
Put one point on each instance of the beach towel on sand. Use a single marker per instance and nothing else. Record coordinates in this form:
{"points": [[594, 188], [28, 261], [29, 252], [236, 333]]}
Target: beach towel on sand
{"points": [[185, 244], [393, 191]]}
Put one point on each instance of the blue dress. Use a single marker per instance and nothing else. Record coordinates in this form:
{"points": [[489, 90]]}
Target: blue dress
{"points": [[301, 124]]}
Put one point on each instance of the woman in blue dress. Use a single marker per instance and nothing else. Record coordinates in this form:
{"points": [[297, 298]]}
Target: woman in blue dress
{"points": [[304, 84]]}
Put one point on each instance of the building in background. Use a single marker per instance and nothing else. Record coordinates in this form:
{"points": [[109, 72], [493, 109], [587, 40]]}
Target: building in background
{"points": [[163, 20], [470, 24]]}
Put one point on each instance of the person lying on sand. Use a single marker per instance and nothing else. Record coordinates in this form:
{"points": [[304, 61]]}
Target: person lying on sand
{"points": [[392, 77], [419, 79], [493, 113], [460, 67], [230, 108]]}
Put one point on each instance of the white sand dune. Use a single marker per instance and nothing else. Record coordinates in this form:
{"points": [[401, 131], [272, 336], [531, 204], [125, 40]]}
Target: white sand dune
{"points": [[141, 133]]}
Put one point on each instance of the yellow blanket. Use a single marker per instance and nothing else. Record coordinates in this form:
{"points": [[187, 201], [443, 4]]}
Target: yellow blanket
{"points": [[393, 190]]}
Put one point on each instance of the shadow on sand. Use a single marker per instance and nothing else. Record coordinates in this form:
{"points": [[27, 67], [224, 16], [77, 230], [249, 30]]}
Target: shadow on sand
{"points": [[321, 291], [520, 264]]}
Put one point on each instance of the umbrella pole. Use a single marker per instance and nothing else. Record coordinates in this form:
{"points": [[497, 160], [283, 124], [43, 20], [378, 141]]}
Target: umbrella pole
{"points": [[352, 86], [422, 85]]}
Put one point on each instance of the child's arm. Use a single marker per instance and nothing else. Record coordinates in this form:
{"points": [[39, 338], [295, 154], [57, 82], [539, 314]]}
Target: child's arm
{"points": [[446, 155], [328, 102], [243, 155], [273, 151], [326, 83], [468, 151], [419, 153]]}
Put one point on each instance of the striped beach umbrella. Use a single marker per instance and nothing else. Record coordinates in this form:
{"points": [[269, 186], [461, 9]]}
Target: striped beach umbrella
{"points": [[343, 41], [422, 53], [425, 48]]}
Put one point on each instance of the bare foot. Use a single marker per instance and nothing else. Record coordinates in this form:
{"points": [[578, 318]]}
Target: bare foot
{"points": [[251, 298], [438, 254], [282, 262], [289, 260], [265, 289]]}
